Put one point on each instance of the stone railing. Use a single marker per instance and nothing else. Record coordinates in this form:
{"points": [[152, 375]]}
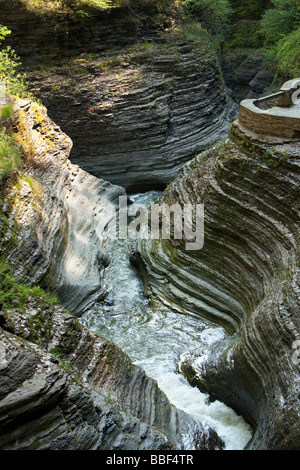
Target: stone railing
{"points": [[280, 119]]}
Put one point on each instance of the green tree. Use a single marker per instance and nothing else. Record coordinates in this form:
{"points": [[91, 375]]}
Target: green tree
{"points": [[213, 14], [4, 31], [10, 154], [280, 20], [288, 56], [9, 68], [251, 10]]}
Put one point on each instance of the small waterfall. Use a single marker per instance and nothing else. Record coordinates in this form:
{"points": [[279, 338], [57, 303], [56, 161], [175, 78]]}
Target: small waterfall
{"points": [[155, 337]]}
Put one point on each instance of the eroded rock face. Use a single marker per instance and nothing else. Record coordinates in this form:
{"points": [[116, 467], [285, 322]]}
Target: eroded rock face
{"points": [[246, 278], [246, 73], [62, 388], [55, 213], [136, 103], [41, 37], [136, 115]]}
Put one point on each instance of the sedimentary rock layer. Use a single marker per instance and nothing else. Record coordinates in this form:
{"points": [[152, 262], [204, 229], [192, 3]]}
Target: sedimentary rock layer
{"points": [[62, 388], [246, 73], [135, 111], [54, 213], [245, 278], [136, 115], [38, 36]]}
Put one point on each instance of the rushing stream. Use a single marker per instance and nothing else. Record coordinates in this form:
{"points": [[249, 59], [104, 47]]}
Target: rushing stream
{"points": [[154, 337]]}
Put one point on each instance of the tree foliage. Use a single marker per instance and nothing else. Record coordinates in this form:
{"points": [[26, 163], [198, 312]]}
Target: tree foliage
{"points": [[14, 81], [212, 14], [250, 10], [9, 68], [288, 55], [280, 20], [4, 31], [49, 7]]}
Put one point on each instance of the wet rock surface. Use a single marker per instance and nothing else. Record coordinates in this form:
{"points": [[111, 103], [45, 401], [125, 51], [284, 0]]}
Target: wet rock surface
{"points": [[63, 388], [54, 213], [60, 386], [246, 278]]}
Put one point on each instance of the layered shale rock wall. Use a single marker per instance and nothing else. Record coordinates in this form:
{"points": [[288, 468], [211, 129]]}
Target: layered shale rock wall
{"points": [[136, 115], [136, 101], [61, 388], [246, 278], [246, 73], [54, 214], [39, 36]]}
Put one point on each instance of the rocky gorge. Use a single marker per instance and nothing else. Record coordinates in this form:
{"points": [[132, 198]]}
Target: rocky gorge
{"points": [[148, 113], [251, 191], [129, 88], [60, 385]]}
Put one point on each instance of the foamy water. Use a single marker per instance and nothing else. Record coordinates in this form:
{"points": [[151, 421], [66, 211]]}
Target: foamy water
{"points": [[155, 337]]}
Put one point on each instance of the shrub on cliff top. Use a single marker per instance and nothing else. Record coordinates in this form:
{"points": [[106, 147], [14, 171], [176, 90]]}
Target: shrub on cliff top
{"points": [[50, 7], [81, 7], [4, 31]]}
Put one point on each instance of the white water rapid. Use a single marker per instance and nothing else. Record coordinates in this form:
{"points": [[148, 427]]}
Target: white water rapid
{"points": [[155, 337]]}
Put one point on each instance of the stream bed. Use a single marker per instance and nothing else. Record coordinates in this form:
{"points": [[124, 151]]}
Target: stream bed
{"points": [[154, 337]]}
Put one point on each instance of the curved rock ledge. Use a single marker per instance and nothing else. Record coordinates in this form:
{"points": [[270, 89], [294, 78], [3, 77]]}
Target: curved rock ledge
{"points": [[62, 388], [244, 278], [54, 213], [136, 101], [138, 114]]}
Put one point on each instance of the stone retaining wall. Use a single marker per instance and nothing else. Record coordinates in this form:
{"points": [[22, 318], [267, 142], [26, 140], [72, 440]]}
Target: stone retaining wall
{"points": [[280, 121]]}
